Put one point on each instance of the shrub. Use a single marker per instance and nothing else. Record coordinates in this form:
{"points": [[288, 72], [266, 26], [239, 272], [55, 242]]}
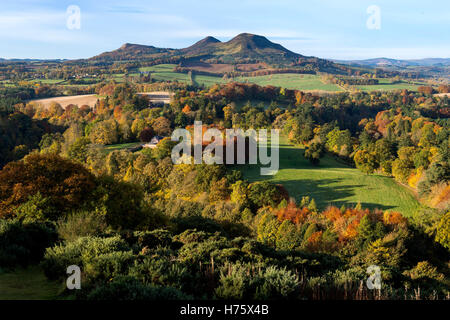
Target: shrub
{"points": [[243, 282], [276, 283], [128, 288], [24, 243], [443, 231], [81, 224], [162, 271], [79, 252], [153, 238], [109, 265]]}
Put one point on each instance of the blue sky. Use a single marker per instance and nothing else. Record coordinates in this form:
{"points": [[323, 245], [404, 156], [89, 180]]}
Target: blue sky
{"points": [[323, 28]]}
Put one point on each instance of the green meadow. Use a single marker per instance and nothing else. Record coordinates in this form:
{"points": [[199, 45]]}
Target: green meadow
{"points": [[334, 183], [306, 82]]}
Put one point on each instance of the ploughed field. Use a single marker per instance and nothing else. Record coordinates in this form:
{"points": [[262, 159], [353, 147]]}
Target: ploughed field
{"points": [[64, 101]]}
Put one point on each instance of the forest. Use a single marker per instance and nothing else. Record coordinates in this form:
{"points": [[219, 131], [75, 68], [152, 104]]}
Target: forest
{"points": [[140, 227]]}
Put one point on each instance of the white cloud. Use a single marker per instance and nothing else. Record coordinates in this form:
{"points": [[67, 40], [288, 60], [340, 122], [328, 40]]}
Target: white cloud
{"points": [[39, 26]]}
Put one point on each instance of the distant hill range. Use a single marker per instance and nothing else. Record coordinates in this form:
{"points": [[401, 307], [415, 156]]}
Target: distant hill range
{"points": [[251, 55], [386, 62], [245, 48]]}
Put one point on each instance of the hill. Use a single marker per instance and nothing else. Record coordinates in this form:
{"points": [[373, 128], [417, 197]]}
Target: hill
{"points": [[387, 62], [245, 48], [130, 51]]}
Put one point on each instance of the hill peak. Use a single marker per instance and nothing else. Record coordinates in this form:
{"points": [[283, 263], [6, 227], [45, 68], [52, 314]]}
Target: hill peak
{"points": [[251, 42], [210, 39]]}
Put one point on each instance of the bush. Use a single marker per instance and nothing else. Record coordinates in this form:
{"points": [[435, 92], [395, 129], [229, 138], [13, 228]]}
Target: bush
{"points": [[162, 271], [79, 252], [128, 288], [153, 238], [81, 224], [24, 243], [109, 265], [243, 282]]}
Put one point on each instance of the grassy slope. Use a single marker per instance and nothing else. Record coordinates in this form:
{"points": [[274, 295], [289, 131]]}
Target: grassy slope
{"points": [[387, 85], [27, 284], [120, 146], [334, 183], [291, 81]]}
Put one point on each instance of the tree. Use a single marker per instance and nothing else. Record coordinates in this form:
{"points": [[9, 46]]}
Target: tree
{"points": [[267, 229], [443, 231], [263, 194], [401, 169], [164, 148], [314, 152], [146, 134], [287, 237], [218, 190], [121, 203], [365, 161], [78, 150], [161, 126], [65, 184], [186, 109], [104, 132]]}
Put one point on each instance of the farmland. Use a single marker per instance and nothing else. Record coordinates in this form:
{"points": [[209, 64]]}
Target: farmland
{"points": [[64, 101]]}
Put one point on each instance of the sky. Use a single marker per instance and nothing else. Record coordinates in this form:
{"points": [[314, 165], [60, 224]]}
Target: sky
{"points": [[324, 28]]}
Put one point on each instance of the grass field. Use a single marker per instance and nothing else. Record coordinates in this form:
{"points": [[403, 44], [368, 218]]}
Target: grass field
{"points": [[387, 85], [27, 284], [334, 183], [164, 72], [113, 147]]}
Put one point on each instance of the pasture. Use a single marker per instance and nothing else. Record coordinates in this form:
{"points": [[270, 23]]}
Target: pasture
{"points": [[334, 183], [304, 82], [388, 85]]}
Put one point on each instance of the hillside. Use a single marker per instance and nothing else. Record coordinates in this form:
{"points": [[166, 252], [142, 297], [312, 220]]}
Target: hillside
{"points": [[130, 51], [387, 62], [245, 48], [333, 183]]}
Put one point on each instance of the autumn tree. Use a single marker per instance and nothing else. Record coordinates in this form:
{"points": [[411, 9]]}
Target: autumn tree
{"points": [[314, 152], [161, 126], [65, 185]]}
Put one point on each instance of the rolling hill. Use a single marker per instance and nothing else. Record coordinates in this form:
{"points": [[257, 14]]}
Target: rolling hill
{"points": [[245, 48], [387, 62]]}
